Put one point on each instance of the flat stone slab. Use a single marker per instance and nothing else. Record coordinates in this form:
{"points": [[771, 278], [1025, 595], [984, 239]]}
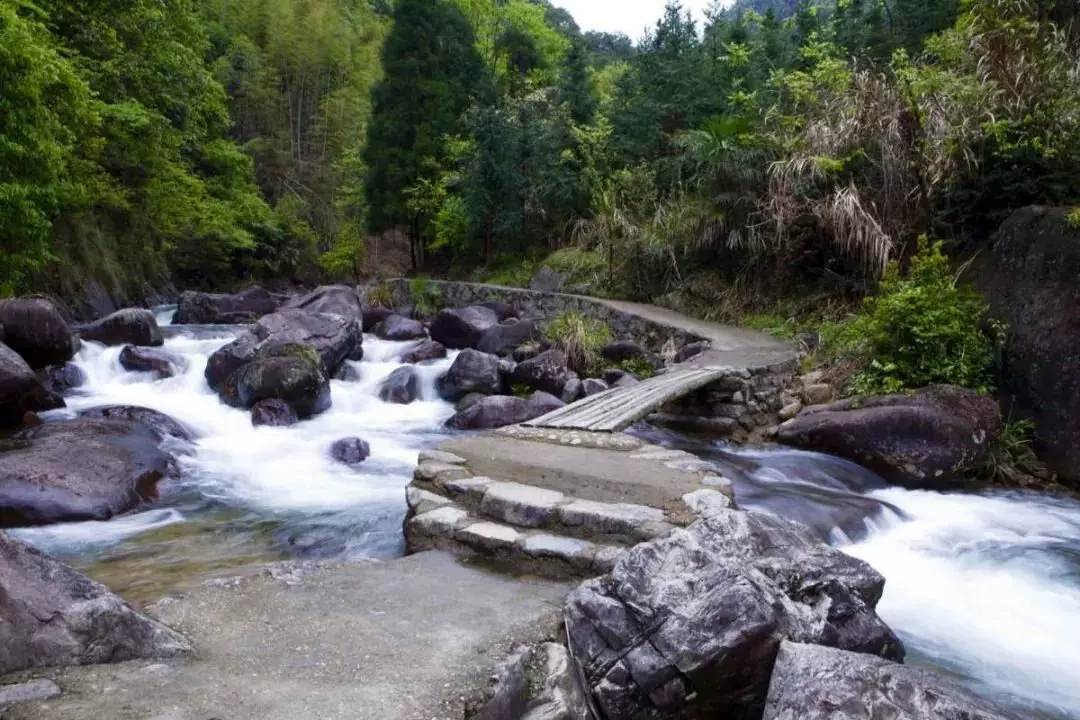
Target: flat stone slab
{"points": [[633, 521], [489, 536], [29, 691], [402, 640], [523, 505]]}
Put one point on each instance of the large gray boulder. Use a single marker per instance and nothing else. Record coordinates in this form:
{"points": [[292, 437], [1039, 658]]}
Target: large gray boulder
{"points": [[334, 337], [459, 328], [398, 328], [504, 338], [547, 372], [159, 423], [52, 615], [81, 469], [929, 439], [400, 387], [36, 330], [273, 413], [156, 360], [688, 626], [62, 379], [1029, 280], [497, 411], [332, 299], [196, 308], [471, 372], [17, 383], [423, 352], [133, 326], [293, 373], [811, 682]]}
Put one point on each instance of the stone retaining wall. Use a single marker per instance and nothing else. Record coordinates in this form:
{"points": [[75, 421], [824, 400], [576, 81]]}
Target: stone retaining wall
{"points": [[542, 307]]}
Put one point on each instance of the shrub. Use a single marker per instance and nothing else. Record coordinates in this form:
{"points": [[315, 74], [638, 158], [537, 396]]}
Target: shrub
{"points": [[639, 366], [1010, 451], [426, 296], [581, 338], [918, 330], [1073, 219], [380, 296]]}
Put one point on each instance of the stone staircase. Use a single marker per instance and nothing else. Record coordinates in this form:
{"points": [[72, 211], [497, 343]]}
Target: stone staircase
{"points": [[538, 530]]}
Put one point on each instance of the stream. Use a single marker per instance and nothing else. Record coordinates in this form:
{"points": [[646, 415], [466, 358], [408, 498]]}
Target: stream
{"points": [[985, 587]]}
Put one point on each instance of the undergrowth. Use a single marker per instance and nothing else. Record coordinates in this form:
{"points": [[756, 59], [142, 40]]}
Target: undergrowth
{"points": [[639, 366], [426, 296], [380, 296], [581, 338], [1073, 219]]}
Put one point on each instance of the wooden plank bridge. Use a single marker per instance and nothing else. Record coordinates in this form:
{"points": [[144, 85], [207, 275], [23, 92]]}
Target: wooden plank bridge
{"points": [[616, 409]]}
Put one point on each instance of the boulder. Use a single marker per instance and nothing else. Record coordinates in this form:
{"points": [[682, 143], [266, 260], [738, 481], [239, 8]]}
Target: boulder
{"points": [[17, 383], [331, 299], [53, 615], [293, 373], [374, 315], [929, 439], [423, 352], [538, 683], [334, 337], [468, 401], [503, 338], [526, 352], [36, 330], [133, 326], [617, 377], [547, 280], [396, 327], [351, 450], [497, 411], [81, 469], [1029, 281], [691, 350], [817, 394], [573, 390], [159, 423], [458, 328], [472, 371], [592, 386], [622, 350], [688, 625], [196, 308], [811, 682], [348, 373], [547, 372], [503, 311], [61, 379], [273, 413], [400, 387], [155, 360]]}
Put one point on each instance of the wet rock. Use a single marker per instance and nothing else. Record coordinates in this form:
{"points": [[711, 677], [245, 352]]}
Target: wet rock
{"points": [[401, 387], [330, 299], [592, 386], [334, 337], [688, 625], [423, 352], [133, 326], [196, 308], [348, 373], [54, 615], [926, 440], [61, 379], [36, 330], [622, 350], [501, 339], [81, 469], [573, 390], [156, 360], [472, 371], [159, 423], [293, 373], [350, 450], [17, 383], [547, 372], [398, 328], [273, 413], [459, 328], [547, 280], [496, 411], [691, 350], [375, 315], [811, 682]]}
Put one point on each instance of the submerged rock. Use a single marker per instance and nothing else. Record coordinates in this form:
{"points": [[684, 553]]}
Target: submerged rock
{"points": [[497, 411], [36, 330], [273, 413], [133, 326], [156, 360], [472, 371], [401, 387], [82, 469], [811, 682], [929, 439], [350, 450], [459, 328], [688, 626], [53, 615], [196, 308]]}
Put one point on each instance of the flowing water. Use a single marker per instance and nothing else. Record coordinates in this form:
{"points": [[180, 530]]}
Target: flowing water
{"points": [[985, 587], [251, 494], [981, 586]]}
